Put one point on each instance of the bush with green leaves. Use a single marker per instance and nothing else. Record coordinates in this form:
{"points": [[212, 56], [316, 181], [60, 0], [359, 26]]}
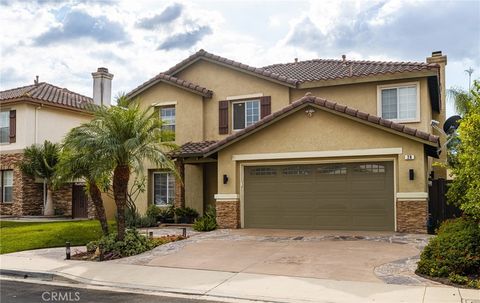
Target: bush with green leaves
{"points": [[454, 252], [186, 214], [208, 222], [134, 219], [133, 244], [166, 214]]}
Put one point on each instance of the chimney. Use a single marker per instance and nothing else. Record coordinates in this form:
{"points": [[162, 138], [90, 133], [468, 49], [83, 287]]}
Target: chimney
{"points": [[36, 80], [344, 58], [296, 60], [102, 86]]}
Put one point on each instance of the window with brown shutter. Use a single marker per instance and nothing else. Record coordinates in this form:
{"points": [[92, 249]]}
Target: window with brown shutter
{"points": [[265, 106], [13, 126], [223, 117]]}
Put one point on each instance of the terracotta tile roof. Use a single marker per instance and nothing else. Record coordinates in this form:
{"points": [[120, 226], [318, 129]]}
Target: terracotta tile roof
{"points": [[254, 70], [48, 93], [332, 106], [324, 69], [172, 80], [191, 149]]}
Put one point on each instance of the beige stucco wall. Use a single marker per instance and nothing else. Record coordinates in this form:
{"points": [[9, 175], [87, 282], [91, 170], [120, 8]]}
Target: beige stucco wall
{"points": [[194, 184], [188, 107], [324, 132], [226, 82], [363, 96], [35, 124]]}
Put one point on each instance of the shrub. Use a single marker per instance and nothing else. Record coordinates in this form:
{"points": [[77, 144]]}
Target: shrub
{"points": [[454, 252], [208, 222], [166, 214], [134, 219], [186, 214], [458, 279], [133, 244], [153, 211]]}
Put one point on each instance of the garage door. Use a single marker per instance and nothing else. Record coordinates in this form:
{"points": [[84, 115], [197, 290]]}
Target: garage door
{"points": [[350, 196]]}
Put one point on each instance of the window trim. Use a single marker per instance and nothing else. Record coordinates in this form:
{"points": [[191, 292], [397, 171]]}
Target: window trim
{"points": [[168, 190], [7, 110], [258, 100], [399, 85], [2, 186]]}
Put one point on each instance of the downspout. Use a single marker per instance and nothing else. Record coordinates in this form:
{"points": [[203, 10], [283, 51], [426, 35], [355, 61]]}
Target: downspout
{"points": [[35, 141]]}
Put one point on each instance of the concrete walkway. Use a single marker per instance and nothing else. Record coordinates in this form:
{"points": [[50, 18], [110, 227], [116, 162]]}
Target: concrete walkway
{"points": [[228, 284]]}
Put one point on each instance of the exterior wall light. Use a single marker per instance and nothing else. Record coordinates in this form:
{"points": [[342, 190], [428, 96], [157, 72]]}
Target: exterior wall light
{"points": [[225, 179], [309, 112]]}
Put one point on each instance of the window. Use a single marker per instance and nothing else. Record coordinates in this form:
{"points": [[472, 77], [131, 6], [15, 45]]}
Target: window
{"points": [[332, 170], [296, 171], [6, 181], [163, 188], [167, 115], [370, 168], [263, 171], [5, 127], [400, 103], [245, 113]]}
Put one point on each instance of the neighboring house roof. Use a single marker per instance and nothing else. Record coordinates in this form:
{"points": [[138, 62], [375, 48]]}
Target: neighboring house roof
{"points": [[162, 77], [192, 149], [331, 107], [48, 94], [326, 69]]}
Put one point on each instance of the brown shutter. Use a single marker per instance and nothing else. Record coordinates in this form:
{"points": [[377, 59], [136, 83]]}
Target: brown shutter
{"points": [[13, 126], [265, 106], [223, 117]]}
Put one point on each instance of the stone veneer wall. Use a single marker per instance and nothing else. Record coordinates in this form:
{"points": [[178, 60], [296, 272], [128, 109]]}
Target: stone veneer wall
{"points": [[28, 195], [412, 216], [228, 214]]}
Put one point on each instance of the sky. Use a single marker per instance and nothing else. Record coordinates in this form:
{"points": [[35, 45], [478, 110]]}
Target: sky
{"points": [[63, 42]]}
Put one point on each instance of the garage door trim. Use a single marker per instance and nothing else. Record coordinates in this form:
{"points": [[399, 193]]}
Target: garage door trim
{"points": [[287, 162]]}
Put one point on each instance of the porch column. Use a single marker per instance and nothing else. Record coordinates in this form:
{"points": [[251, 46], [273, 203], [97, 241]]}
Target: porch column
{"points": [[180, 183]]}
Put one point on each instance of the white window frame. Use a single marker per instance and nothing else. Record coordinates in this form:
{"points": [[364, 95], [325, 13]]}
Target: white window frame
{"points": [[8, 121], [245, 102], [169, 175], [2, 184], [399, 85]]}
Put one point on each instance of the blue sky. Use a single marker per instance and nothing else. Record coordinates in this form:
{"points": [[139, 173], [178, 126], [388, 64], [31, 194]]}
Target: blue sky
{"points": [[64, 41]]}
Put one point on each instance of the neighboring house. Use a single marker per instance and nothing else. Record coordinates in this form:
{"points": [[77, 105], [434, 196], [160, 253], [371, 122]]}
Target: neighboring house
{"points": [[318, 144], [30, 115]]}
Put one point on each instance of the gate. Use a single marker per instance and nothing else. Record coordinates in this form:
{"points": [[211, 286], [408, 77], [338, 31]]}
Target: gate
{"points": [[438, 208]]}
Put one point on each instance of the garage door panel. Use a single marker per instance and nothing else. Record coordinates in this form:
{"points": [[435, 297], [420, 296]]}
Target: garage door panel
{"points": [[322, 196]]}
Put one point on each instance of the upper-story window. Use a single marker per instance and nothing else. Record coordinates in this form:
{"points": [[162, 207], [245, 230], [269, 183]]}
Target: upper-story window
{"points": [[5, 127], [167, 115], [400, 103], [245, 113]]}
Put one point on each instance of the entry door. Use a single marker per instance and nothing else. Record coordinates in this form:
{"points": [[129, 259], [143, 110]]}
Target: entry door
{"points": [[349, 196], [79, 201]]}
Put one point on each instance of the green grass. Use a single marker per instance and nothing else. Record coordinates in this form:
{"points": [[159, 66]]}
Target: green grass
{"points": [[18, 236]]}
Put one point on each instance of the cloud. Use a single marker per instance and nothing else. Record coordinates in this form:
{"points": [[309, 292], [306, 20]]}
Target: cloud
{"points": [[185, 40], [78, 24], [168, 15], [412, 30]]}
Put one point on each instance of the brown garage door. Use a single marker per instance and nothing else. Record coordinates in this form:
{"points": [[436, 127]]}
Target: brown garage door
{"points": [[349, 196]]}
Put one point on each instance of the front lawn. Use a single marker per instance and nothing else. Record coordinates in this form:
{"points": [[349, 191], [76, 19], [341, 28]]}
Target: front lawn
{"points": [[18, 236]]}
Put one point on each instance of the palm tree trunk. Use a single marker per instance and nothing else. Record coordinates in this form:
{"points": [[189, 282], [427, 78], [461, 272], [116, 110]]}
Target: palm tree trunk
{"points": [[49, 210], [96, 196], [121, 175]]}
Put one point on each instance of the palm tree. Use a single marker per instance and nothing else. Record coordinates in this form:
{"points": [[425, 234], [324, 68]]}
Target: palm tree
{"points": [[75, 164], [460, 98], [39, 161], [124, 137]]}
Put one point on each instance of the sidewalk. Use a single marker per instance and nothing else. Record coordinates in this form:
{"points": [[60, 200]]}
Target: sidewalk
{"points": [[231, 285]]}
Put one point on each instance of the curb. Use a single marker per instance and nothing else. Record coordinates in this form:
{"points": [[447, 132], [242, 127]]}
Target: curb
{"points": [[37, 275]]}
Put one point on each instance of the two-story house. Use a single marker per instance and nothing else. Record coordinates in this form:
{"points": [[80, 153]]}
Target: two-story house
{"points": [[30, 115], [317, 144]]}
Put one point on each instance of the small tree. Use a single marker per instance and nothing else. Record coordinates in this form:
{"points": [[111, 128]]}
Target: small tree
{"points": [[124, 136], [39, 161], [465, 188], [76, 163]]}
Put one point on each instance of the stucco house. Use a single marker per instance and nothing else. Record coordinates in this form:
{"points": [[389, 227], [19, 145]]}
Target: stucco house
{"points": [[317, 144], [30, 115]]}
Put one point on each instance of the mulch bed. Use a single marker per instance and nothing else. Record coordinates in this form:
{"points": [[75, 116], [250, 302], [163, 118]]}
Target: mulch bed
{"points": [[95, 256]]}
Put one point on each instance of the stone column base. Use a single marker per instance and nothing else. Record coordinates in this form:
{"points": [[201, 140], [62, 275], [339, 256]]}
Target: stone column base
{"points": [[412, 216], [228, 214]]}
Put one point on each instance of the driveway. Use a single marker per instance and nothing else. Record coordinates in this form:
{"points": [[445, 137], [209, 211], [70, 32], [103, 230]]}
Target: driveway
{"points": [[351, 256]]}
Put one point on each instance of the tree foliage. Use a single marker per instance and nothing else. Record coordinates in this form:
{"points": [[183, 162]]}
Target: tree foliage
{"points": [[39, 161], [465, 188]]}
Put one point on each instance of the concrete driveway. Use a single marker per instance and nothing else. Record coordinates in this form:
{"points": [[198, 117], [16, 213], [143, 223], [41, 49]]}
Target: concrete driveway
{"points": [[351, 256]]}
